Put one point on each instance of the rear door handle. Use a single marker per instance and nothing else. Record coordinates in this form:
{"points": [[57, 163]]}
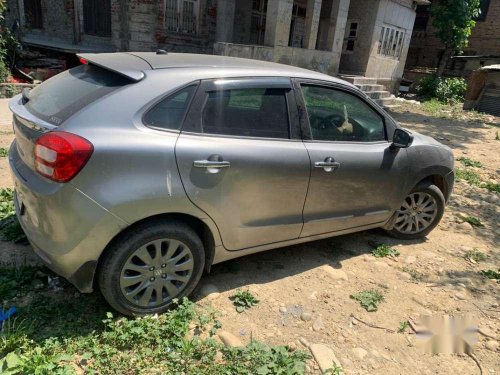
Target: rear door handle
{"points": [[329, 164], [211, 164]]}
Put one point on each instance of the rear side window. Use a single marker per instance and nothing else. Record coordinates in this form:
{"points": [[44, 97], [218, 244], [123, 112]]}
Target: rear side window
{"points": [[60, 97], [169, 113], [256, 112]]}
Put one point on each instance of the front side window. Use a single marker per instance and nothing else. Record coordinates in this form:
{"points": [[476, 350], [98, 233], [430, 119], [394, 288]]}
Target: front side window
{"points": [[169, 113], [255, 112], [336, 115]]}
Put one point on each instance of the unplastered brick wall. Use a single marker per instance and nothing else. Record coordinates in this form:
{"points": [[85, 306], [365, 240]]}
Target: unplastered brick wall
{"points": [[484, 40]]}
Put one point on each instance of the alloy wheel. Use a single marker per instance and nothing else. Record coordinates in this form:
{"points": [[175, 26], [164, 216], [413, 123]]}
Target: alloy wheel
{"points": [[418, 212], [156, 273]]}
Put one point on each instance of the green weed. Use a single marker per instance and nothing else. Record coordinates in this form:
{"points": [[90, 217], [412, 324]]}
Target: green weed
{"points": [[492, 187], [491, 274], [403, 326], [475, 255], [467, 175], [4, 152], [10, 229], [468, 162], [369, 299], [243, 300], [382, 251], [334, 370], [474, 221]]}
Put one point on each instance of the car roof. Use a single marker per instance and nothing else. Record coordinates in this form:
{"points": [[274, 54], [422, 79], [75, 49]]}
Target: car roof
{"points": [[133, 64]]}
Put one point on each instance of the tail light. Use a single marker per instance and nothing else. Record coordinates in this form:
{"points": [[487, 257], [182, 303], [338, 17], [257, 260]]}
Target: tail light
{"points": [[59, 156]]}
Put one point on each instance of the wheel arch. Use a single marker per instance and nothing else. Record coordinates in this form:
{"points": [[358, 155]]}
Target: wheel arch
{"points": [[195, 223], [439, 181]]}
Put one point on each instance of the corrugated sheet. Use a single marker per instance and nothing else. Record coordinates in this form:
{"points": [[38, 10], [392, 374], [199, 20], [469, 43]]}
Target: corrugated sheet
{"points": [[490, 102]]}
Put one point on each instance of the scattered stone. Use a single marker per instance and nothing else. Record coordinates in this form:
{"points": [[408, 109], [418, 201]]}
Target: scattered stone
{"points": [[292, 346], [304, 342], [375, 353], [209, 291], [229, 339], [404, 275], [283, 309], [492, 345], [334, 273], [306, 316], [359, 353], [318, 325], [461, 296], [324, 356], [465, 226], [410, 259], [486, 332]]}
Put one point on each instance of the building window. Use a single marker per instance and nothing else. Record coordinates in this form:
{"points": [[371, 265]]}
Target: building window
{"points": [[33, 14], [390, 42], [181, 16], [97, 17], [258, 23], [297, 27], [352, 35]]}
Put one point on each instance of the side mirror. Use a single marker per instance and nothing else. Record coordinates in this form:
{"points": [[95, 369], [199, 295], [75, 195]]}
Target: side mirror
{"points": [[402, 138]]}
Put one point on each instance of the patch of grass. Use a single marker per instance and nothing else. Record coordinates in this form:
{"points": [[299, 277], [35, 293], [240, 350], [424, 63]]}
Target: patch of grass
{"points": [[475, 255], [403, 326], [7, 208], [474, 221], [491, 274], [4, 152], [151, 344], [468, 162], [10, 229], [243, 300], [467, 175], [369, 299], [383, 251], [14, 281], [492, 187]]}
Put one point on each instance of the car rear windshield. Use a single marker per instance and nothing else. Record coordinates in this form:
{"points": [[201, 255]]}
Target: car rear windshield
{"points": [[60, 97]]}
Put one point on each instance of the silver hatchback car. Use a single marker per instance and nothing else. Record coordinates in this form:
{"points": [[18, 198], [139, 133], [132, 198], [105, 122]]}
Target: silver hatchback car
{"points": [[138, 171]]}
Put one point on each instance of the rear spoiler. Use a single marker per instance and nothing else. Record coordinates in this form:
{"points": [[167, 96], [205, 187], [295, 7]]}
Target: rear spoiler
{"points": [[127, 65]]}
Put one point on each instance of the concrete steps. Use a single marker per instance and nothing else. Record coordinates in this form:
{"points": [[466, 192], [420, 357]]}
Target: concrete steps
{"points": [[370, 87]]}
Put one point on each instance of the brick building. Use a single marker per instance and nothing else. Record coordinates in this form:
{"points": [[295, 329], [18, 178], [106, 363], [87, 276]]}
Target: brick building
{"points": [[352, 37], [426, 49]]}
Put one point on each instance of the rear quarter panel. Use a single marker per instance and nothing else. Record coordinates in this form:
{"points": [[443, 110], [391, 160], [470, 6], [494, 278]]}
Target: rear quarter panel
{"points": [[132, 172]]}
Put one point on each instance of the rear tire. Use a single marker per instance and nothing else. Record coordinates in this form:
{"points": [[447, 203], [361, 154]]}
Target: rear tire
{"points": [[148, 266], [420, 212]]}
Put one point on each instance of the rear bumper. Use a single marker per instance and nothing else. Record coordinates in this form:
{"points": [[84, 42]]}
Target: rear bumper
{"points": [[67, 229]]}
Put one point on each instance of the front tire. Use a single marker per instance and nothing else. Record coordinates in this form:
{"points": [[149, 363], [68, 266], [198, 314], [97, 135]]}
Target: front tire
{"points": [[149, 266], [420, 213]]}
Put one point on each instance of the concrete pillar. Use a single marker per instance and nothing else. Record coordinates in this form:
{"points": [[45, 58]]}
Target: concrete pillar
{"points": [[336, 29], [278, 20], [225, 21], [313, 13]]}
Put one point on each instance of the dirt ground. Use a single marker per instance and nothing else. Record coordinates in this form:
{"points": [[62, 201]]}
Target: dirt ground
{"points": [[304, 291]]}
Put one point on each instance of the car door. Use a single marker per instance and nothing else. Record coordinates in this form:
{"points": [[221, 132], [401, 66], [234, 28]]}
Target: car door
{"points": [[357, 178], [242, 161]]}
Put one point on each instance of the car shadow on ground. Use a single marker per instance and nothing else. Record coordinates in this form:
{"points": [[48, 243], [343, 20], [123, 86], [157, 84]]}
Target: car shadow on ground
{"points": [[269, 266]]}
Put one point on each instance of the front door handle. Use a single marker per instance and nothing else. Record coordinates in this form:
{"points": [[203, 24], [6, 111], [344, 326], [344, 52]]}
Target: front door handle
{"points": [[329, 164], [211, 164]]}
